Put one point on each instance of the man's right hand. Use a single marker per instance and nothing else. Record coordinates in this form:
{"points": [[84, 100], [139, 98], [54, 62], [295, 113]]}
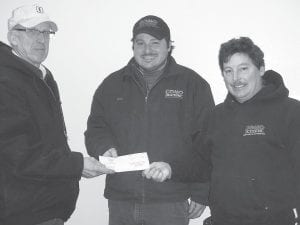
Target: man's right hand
{"points": [[93, 168]]}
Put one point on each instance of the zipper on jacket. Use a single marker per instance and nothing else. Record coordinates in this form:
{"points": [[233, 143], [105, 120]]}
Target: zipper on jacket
{"points": [[146, 120], [60, 109], [145, 108], [146, 132]]}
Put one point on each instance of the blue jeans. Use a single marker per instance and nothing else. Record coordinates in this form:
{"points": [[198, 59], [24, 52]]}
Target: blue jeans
{"points": [[130, 213], [52, 222]]}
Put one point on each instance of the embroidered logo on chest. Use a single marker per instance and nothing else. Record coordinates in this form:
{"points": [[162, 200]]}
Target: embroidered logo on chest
{"points": [[173, 94], [254, 130]]}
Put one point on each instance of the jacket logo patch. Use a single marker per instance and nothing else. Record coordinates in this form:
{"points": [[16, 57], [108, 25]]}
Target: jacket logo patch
{"points": [[254, 130], [173, 94]]}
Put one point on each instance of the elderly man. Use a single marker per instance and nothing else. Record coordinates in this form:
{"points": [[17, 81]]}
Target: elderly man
{"points": [[39, 173], [157, 106]]}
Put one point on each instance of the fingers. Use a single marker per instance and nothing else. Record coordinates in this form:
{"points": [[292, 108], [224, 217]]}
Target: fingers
{"points": [[93, 168], [158, 171], [112, 152], [192, 207], [154, 173], [195, 210], [86, 174]]}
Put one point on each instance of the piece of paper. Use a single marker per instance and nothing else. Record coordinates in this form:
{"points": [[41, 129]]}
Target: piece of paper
{"points": [[132, 162]]}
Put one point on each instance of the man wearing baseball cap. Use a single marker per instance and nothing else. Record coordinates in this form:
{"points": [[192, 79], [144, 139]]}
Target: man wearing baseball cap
{"points": [[157, 106], [39, 173]]}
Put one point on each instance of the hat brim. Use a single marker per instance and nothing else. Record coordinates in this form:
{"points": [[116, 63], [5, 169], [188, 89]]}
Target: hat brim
{"points": [[32, 22], [153, 32]]}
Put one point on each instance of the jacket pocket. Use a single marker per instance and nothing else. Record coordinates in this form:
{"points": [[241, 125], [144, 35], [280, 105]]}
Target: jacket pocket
{"points": [[236, 195]]}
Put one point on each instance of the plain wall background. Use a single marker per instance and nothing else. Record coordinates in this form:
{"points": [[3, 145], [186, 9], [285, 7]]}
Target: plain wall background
{"points": [[94, 40]]}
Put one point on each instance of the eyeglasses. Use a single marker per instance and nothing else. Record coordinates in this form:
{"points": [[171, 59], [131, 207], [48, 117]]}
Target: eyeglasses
{"points": [[34, 32]]}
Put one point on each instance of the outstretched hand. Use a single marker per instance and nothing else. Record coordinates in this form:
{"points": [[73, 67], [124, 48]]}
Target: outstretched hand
{"points": [[93, 168]]}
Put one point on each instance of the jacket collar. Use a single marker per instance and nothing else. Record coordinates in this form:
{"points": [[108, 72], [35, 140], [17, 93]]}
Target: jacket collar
{"points": [[10, 59]]}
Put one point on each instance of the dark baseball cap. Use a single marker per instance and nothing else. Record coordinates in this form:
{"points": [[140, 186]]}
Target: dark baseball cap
{"points": [[152, 25]]}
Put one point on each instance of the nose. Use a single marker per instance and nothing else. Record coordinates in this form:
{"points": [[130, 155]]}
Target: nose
{"points": [[235, 75], [147, 48]]}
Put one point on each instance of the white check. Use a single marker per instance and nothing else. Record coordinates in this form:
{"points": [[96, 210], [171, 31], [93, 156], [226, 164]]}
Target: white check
{"points": [[132, 162]]}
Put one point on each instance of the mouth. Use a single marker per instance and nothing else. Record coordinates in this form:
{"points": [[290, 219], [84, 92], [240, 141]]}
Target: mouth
{"points": [[239, 86], [148, 58], [39, 49]]}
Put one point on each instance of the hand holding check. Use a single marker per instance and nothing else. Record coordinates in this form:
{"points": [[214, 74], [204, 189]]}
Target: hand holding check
{"points": [[158, 171], [93, 168]]}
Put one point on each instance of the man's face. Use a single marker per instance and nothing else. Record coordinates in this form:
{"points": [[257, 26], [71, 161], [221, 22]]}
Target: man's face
{"points": [[242, 78], [149, 52], [32, 45]]}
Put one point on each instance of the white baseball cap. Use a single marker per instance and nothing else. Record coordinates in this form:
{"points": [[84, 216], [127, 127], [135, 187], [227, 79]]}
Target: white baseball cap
{"points": [[29, 16]]}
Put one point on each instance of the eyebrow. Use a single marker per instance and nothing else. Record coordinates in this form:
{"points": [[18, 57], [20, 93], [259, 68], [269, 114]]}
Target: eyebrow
{"points": [[244, 64], [138, 39]]}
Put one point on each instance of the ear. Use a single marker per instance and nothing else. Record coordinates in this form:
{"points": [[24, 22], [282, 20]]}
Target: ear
{"points": [[169, 46], [132, 42], [262, 71], [12, 38]]}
